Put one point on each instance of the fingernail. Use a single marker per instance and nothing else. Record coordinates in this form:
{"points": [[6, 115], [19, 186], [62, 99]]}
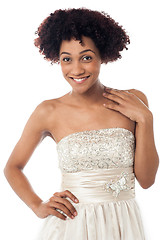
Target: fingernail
{"points": [[76, 200], [104, 94], [75, 214]]}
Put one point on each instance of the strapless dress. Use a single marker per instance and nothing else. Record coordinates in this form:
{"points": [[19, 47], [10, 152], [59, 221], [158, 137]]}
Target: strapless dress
{"points": [[97, 167]]}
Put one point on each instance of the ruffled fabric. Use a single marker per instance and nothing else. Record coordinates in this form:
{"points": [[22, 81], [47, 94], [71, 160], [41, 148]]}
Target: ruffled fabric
{"points": [[97, 221]]}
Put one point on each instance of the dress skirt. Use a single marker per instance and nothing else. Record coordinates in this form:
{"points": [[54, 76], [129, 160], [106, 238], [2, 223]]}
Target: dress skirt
{"points": [[107, 208]]}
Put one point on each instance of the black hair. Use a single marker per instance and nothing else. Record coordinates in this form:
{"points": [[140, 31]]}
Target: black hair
{"points": [[109, 37]]}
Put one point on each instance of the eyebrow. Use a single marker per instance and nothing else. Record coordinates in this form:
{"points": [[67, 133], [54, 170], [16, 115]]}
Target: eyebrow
{"points": [[87, 50]]}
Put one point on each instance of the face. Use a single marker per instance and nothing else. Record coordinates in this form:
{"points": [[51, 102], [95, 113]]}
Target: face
{"points": [[80, 64]]}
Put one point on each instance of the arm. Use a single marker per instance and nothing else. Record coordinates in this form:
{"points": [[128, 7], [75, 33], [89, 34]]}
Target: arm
{"points": [[33, 133], [146, 156], [134, 105]]}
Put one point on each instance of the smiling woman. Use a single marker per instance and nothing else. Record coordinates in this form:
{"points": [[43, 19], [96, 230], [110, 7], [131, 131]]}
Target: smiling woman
{"points": [[81, 64], [104, 141]]}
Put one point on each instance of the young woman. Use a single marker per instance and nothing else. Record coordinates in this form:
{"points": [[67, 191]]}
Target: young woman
{"points": [[104, 136]]}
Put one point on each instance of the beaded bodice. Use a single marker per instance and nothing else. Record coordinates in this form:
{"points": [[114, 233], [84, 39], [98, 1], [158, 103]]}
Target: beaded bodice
{"points": [[96, 149]]}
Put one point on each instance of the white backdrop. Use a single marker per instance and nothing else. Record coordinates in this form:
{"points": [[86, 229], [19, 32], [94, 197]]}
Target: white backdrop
{"points": [[27, 79]]}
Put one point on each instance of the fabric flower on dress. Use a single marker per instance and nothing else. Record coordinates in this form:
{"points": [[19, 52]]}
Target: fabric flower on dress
{"points": [[117, 186]]}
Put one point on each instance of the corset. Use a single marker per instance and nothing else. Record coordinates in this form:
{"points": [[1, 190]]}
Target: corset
{"points": [[97, 165]]}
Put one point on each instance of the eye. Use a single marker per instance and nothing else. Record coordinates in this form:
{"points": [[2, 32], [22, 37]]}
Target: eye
{"points": [[66, 59], [87, 58]]}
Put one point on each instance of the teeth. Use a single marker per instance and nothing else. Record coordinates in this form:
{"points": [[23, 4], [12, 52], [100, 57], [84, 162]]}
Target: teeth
{"points": [[80, 79]]}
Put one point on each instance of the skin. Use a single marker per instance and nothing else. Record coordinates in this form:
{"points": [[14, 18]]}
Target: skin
{"points": [[77, 62], [79, 110]]}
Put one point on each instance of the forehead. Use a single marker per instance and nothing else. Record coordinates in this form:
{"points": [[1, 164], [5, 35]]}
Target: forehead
{"points": [[75, 45]]}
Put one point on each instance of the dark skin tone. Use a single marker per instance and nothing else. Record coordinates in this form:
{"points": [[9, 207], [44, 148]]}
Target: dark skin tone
{"points": [[79, 110]]}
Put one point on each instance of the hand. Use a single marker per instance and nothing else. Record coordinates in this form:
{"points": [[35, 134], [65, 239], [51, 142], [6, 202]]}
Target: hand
{"points": [[58, 201], [126, 103]]}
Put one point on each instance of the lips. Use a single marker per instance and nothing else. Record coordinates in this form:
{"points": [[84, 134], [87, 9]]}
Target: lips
{"points": [[80, 80]]}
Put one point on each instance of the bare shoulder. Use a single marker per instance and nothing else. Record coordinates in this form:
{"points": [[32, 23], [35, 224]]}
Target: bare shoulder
{"points": [[42, 116], [46, 106], [140, 95], [46, 109]]}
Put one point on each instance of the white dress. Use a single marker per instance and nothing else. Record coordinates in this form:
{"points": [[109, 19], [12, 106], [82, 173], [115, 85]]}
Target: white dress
{"points": [[97, 167]]}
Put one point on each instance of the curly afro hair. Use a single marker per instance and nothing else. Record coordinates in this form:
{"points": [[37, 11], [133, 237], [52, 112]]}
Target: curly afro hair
{"points": [[108, 36]]}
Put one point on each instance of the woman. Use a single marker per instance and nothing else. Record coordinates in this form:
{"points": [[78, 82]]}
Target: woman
{"points": [[104, 136]]}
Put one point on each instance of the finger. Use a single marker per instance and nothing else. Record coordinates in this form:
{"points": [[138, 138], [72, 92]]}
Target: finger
{"points": [[113, 106], [66, 203], [114, 98], [62, 207], [67, 193], [57, 214], [120, 93]]}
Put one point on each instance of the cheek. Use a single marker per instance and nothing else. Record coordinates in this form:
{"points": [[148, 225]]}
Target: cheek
{"points": [[95, 68], [64, 69]]}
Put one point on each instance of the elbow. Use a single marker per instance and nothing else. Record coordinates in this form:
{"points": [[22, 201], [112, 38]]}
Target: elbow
{"points": [[9, 170], [146, 184], [6, 171]]}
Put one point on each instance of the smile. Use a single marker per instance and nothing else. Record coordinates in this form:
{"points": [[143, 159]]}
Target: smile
{"points": [[80, 80]]}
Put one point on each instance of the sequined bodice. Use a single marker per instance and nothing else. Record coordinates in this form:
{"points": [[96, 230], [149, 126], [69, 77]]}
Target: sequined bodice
{"points": [[96, 149]]}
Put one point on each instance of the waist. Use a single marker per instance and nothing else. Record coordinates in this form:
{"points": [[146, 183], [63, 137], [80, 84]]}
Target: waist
{"points": [[101, 184]]}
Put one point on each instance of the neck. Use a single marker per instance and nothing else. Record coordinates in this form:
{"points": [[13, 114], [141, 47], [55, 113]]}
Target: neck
{"points": [[91, 97]]}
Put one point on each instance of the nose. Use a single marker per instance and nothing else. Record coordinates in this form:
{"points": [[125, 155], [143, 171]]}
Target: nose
{"points": [[77, 69]]}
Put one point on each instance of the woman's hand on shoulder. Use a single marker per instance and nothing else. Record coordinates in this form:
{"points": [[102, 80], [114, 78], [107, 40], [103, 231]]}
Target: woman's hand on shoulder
{"points": [[131, 103]]}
